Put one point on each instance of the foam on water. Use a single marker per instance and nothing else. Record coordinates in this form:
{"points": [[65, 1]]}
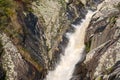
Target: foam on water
{"points": [[73, 52]]}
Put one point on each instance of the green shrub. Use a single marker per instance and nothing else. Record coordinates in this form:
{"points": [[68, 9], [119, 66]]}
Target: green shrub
{"points": [[6, 10], [88, 45]]}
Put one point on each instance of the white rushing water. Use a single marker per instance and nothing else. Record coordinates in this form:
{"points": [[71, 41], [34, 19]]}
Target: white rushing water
{"points": [[73, 52]]}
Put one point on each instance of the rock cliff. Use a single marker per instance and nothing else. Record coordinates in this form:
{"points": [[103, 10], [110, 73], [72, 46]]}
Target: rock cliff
{"points": [[32, 38]]}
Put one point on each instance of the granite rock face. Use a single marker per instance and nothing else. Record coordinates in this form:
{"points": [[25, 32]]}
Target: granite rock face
{"points": [[16, 68], [102, 43], [33, 38]]}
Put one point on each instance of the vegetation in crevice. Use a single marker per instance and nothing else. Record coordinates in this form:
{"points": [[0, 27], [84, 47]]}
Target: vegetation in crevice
{"points": [[63, 4], [113, 19], [88, 45], [6, 10]]}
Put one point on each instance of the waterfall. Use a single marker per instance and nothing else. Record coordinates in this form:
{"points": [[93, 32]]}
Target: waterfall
{"points": [[73, 52]]}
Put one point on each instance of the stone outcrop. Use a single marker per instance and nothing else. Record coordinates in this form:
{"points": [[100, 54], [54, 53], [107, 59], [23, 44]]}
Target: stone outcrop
{"points": [[16, 68], [36, 30], [32, 38], [103, 46]]}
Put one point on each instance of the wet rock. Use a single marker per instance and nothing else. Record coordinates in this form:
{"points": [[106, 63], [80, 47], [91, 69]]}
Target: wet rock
{"points": [[92, 4], [76, 12]]}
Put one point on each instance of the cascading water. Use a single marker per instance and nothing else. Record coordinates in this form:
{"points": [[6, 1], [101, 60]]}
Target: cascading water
{"points": [[73, 52]]}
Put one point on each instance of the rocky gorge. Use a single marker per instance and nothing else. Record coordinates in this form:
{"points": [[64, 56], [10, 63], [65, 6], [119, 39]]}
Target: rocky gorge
{"points": [[33, 38]]}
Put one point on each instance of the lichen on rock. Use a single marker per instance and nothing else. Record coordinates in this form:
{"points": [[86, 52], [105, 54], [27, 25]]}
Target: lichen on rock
{"points": [[33, 36]]}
